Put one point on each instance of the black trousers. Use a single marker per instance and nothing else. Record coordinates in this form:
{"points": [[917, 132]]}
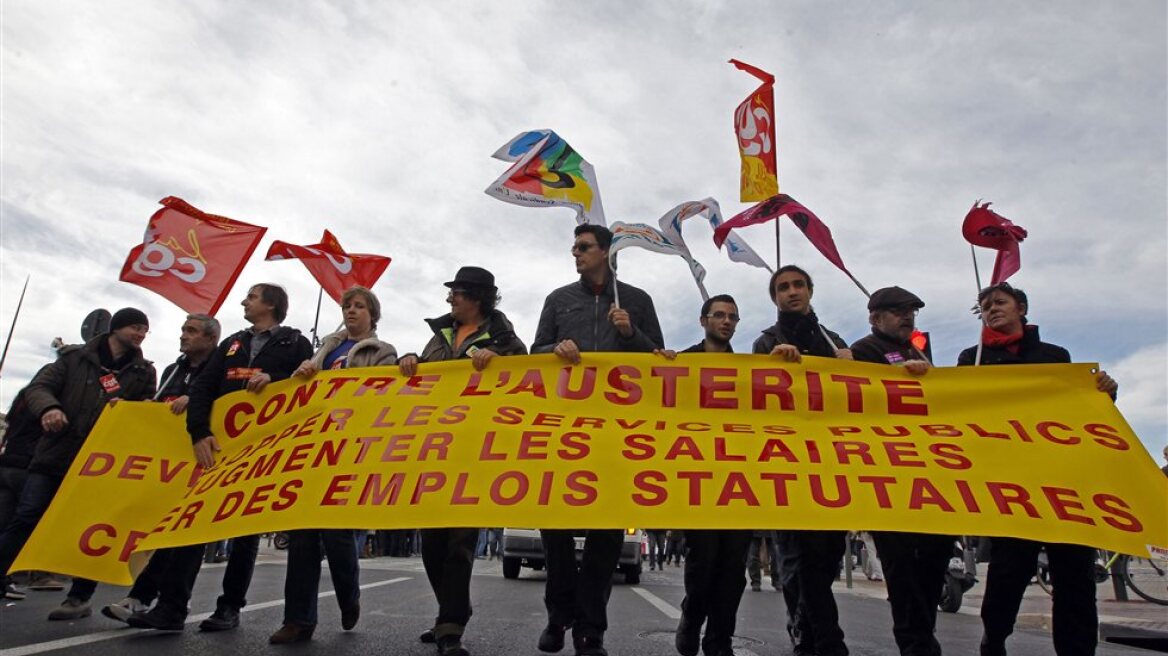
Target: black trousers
{"points": [[448, 555], [1075, 618], [914, 571], [578, 595], [810, 562], [714, 581], [174, 589]]}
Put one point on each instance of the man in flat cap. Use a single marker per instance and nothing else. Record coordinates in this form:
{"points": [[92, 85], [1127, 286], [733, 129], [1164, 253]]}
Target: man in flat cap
{"points": [[68, 396], [914, 563]]}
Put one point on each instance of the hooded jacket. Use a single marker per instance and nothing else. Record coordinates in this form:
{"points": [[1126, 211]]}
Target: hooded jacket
{"points": [[73, 383], [574, 312]]}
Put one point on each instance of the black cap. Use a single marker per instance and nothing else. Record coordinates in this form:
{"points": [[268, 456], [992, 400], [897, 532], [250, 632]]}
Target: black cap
{"points": [[128, 317], [474, 277], [894, 297]]}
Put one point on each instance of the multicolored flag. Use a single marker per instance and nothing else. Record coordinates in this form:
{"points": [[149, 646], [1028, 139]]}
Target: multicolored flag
{"points": [[736, 246], [754, 125], [650, 238], [548, 172], [985, 227], [189, 257], [816, 231], [332, 267]]}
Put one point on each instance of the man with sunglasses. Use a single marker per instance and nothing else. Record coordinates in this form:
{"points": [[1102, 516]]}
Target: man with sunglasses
{"points": [[714, 577], [579, 317], [914, 563]]}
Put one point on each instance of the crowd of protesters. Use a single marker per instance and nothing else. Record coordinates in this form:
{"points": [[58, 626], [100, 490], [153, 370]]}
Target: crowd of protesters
{"points": [[51, 418]]}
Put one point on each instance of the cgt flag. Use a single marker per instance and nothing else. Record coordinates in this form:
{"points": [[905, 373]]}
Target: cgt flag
{"points": [[816, 231], [189, 257], [754, 125], [650, 238], [331, 266], [985, 227], [547, 172]]}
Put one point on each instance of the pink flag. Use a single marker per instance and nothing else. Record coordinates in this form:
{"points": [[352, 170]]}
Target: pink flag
{"points": [[816, 231], [985, 227]]}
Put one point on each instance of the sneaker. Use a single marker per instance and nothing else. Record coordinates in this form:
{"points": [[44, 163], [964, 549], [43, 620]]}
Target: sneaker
{"points": [[223, 619], [427, 637], [451, 646], [551, 639], [122, 610], [46, 583], [158, 618], [14, 593], [72, 609], [756, 587]]}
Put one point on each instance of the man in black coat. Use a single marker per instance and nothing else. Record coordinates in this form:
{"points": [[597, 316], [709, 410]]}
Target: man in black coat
{"points": [[247, 360], [809, 560], [68, 396], [914, 563], [579, 317]]}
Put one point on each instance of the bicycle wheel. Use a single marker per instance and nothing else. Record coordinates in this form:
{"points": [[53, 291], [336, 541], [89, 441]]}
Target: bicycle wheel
{"points": [[1147, 577]]}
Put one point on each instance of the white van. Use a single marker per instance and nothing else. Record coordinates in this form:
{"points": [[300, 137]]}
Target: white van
{"points": [[522, 547]]}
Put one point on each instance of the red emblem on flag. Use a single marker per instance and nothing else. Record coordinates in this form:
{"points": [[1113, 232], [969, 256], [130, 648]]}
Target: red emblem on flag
{"points": [[331, 266], [189, 257], [985, 227]]}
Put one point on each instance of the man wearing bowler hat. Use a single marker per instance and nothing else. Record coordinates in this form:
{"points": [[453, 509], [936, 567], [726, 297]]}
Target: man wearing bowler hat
{"points": [[473, 330]]}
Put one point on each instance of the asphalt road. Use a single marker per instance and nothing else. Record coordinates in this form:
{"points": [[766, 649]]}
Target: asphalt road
{"points": [[397, 605]]}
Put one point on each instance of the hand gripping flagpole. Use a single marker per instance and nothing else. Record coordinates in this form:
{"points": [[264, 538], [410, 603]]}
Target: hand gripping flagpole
{"points": [[11, 330]]}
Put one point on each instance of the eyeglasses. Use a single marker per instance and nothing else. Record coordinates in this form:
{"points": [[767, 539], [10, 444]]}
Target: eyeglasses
{"points": [[903, 311], [582, 247], [720, 316]]}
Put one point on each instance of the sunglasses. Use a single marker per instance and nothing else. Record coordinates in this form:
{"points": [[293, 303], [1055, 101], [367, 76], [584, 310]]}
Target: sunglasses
{"points": [[582, 247]]}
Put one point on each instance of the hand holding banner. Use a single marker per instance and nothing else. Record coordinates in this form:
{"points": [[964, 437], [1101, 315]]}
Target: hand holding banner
{"points": [[189, 257]]}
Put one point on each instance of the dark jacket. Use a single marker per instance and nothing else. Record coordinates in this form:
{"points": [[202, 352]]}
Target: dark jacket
{"points": [[496, 333], [223, 373], [177, 378], [1032, 350], [574, 312], [700, 347], [882, 349], [73, 384], [801, 330], [21, 434]]}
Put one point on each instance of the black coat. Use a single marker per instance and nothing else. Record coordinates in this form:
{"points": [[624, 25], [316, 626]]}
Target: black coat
{"points": [[808, 338], [279, 357], [1032, 350], [881, 349]]}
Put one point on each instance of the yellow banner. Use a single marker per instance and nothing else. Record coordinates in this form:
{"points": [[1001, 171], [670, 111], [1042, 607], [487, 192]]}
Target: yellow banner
{"points": [[728, 441]]}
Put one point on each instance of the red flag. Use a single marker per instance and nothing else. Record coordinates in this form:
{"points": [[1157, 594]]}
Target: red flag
{"points": [[985, 227], [754, 124], [816, 231], [332, 267], [189, 257]]}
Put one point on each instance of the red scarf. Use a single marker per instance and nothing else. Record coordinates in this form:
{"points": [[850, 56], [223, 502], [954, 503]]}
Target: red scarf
{"points": [[997, 339]]}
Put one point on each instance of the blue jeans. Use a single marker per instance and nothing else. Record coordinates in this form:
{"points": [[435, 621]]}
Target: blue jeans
{"points": [[303, 578], [34, 500]]}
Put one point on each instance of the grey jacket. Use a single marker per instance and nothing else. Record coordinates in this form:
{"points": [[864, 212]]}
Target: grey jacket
{"points": [[369, 352], [574, 312]]}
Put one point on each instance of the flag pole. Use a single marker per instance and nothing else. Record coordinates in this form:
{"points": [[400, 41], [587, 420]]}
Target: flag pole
{"points": [[778, 257], [11, 330], [615, 290], [977, 280], [316, 322]]}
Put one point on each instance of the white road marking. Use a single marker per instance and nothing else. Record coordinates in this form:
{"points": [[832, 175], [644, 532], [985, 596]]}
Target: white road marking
{"points": [[657, 602], [76, 641]]}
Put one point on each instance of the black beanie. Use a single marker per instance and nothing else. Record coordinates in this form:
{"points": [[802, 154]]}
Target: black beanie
{"points": [[128, 317]]}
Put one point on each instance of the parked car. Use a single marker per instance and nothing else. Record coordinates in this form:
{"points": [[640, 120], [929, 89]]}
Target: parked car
{"points": [[522, 547]]}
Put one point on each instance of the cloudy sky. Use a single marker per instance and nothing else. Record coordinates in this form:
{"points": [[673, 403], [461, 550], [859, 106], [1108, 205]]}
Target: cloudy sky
{"points": [[377, 119]]}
